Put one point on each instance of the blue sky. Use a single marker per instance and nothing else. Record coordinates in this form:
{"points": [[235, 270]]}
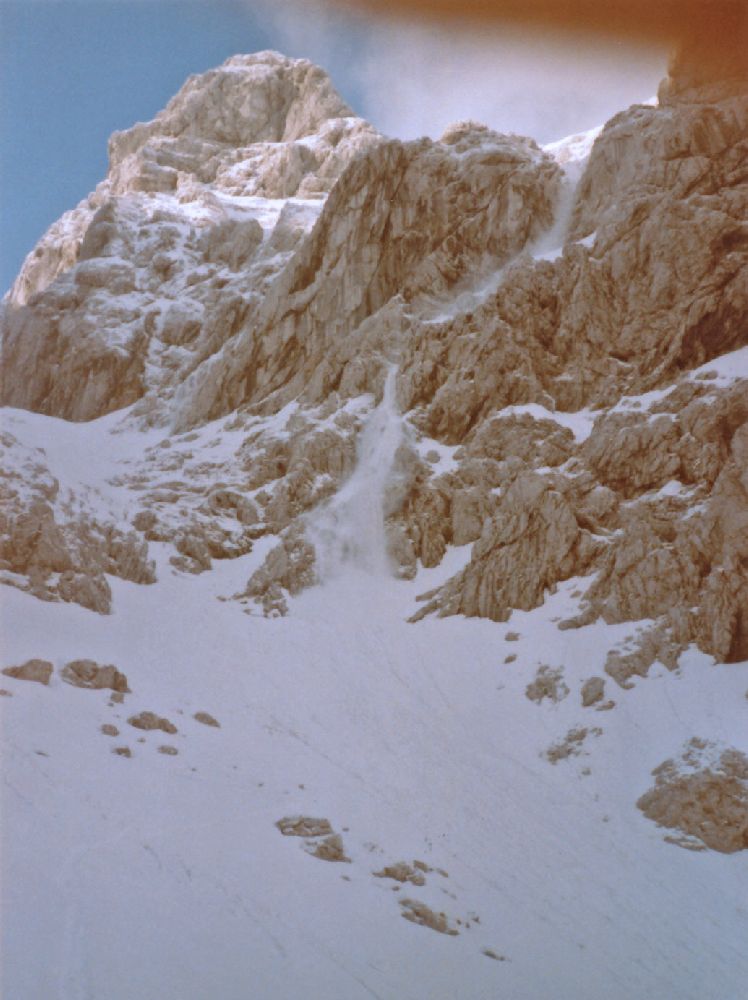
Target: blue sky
{"points": [[73, 71]]}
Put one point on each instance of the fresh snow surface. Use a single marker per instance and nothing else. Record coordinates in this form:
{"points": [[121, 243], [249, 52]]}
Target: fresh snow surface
{"points": [[726, 368], [573, 148], [721, 371], [436, 453], [165, 877], [579, 423]]}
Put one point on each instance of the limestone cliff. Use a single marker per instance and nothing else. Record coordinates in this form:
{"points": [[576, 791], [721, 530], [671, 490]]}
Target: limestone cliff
{"points": [[260, 254]]}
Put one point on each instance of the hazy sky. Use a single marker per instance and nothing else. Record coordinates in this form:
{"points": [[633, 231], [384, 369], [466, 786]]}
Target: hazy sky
{"points": [[73, 71]]}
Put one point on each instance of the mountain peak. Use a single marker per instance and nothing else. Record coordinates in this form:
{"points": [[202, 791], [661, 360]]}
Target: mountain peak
{"points": [[261, 98]]}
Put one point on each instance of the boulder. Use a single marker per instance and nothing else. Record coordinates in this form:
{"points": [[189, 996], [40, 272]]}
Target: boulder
{"points": [[32, 670], [90, 674]]}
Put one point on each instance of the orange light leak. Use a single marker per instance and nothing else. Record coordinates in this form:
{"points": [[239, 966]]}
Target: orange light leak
{"points": [[715, 32]]}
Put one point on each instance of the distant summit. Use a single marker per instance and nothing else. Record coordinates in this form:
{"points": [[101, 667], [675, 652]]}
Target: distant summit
{"points": [[261, 98]]}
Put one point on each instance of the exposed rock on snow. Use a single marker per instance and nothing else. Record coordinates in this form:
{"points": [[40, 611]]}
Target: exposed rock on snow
{"points": [[149, 721], [32, 670], [571, 745], [593, 691], [207, 719], [548, 683], [304, 826], [401, 871], [419, 913], [329, 849], [326, 845], [89, 674], [651, 645], [704, 794]]}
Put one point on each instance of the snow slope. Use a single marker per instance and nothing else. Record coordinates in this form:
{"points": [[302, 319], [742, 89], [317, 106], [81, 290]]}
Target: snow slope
{"points": [[165, 878]]}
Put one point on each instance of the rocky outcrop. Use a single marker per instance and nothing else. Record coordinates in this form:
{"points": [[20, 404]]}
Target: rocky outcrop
{"points": [[89, 674], [288, 569], [652, 505], [593, 691], [402, 872], [421, 914], [304, 826], [323, 842], [329, 849], [404, 220], [239, 127], [653, 644], [207, 719], [704, 795], [673, 168], [150, 721], [680, 558], [548, 683], [51, 544], [530, 544]]}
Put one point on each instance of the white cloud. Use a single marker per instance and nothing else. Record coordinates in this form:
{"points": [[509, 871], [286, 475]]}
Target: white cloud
{"points": [[415, 78]]}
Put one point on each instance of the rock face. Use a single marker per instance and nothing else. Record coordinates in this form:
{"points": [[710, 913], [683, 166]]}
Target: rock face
{"points": [[52, 543], [148, 277], [259, 255]]}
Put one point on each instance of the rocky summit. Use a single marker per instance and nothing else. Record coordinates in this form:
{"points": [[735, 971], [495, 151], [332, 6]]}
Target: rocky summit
{"points": [[279, 366]]}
